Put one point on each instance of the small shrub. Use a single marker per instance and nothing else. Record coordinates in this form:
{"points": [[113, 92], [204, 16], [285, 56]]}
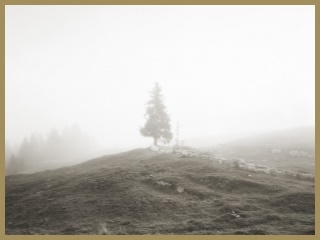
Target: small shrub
{"points": [[103, 230], [238, 163], [273, 172]]}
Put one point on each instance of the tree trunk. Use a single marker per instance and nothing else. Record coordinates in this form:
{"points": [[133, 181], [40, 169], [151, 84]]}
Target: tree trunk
{"points": [[155, 141]]}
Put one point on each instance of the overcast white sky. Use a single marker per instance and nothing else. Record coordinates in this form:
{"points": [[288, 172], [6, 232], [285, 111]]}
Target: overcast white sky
{"points": [[223, 69]]}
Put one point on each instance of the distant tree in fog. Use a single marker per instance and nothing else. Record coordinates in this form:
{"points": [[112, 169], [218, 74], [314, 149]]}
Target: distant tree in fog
{"points": [[157, 123], [75, 141], [53, 145], [25, 150], [15, 165], [8, 151], [37, 151]]}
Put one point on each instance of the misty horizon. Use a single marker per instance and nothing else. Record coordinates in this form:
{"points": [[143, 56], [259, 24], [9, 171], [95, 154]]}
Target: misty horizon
{"points": [[221, 73], [195, 141]]}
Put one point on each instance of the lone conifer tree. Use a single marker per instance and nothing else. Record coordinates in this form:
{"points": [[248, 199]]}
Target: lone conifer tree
{"points": [[157, 123]]}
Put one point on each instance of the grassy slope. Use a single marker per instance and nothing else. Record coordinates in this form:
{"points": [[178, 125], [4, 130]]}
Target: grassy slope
{"points": [[257, 149], [262, 155], [121, 192]]}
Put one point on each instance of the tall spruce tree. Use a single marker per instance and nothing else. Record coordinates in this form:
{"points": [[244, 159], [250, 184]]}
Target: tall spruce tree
{"points": [[157, 123]]}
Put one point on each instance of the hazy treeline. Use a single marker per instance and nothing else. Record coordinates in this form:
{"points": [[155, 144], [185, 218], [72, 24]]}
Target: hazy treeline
{"points": [[38, 150]]}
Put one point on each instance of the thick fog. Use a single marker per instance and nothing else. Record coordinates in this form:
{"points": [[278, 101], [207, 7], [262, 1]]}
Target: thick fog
{"points": [[223, 70]]}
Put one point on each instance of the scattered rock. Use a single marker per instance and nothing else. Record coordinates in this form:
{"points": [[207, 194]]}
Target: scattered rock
{"points": [[163, 183], [180, 189], [160, 149], [233, 213]]}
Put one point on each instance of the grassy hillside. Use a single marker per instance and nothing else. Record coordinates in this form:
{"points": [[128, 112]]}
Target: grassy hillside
{"points": [[291, 149], [143, 192]]}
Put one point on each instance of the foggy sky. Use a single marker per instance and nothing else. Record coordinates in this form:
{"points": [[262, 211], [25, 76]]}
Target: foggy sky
{"points": [[223, 69]]}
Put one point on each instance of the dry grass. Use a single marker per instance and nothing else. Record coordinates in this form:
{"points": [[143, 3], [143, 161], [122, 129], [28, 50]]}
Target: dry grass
{"points": [[121, 194]]}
